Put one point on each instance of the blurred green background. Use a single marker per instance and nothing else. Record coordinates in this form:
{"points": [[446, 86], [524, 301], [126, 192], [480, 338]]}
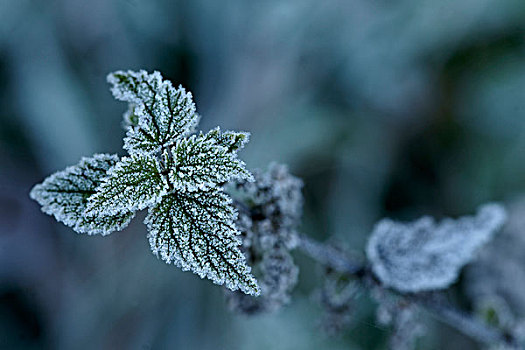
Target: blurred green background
{"points": [[384, 108]]}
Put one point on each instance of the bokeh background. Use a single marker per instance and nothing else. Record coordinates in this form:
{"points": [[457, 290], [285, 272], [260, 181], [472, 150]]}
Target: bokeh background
{"points": [[384, 108]]}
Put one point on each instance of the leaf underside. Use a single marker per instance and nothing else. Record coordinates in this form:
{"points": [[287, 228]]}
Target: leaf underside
{"points": [[423, 255]]}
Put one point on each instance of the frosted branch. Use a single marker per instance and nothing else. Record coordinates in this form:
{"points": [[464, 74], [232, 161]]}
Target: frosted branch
{"points": [[441, 310]]}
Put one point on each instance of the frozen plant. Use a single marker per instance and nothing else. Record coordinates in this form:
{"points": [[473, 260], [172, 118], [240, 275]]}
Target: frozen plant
{"points": [[180, 175], [406, 266], [275, 206], [174, 172], [277, 275], [499, 272], [423, 255], [268, 225]]}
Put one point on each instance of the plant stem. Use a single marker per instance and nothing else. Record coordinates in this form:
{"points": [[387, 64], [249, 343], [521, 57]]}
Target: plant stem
{"points": [[329, 256]]}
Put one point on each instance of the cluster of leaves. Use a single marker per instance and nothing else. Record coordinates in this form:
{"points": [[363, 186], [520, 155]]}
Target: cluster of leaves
{"points": [[423, 255], [272, 209], [174, 172]]}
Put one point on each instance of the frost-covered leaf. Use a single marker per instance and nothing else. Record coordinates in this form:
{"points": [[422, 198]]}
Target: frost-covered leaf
{"points": [[179, 176], [196, 231], [423, 255], [132, 184], [199, 163], [232, 140], [164, 113], [65, 196]]}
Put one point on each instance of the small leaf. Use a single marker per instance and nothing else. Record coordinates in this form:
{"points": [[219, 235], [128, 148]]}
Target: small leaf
{"points": [[196, 232], [132, 184], [164, 113], [232, 140], [65, 196], [199, 163], [423, 255]]}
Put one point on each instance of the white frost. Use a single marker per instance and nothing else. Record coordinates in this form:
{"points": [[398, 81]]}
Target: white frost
{"points": [[196, 232], [132, 184], [423, 255]]}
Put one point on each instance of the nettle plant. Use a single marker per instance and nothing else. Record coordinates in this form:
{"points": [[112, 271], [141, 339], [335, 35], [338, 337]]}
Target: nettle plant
{"points": [[174, 172], [187, 179]]}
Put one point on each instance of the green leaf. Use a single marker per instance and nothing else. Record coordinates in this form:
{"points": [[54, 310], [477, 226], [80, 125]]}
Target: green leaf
{"points": [[164, 113], [200, 163], [132, 184], [232, 140], [196, 232], [65, 195]]}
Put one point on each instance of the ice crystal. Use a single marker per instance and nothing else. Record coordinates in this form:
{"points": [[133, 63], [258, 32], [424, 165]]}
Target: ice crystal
{"points": [[65, 195], [423, 255], [407, 328], [178, 176]]}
